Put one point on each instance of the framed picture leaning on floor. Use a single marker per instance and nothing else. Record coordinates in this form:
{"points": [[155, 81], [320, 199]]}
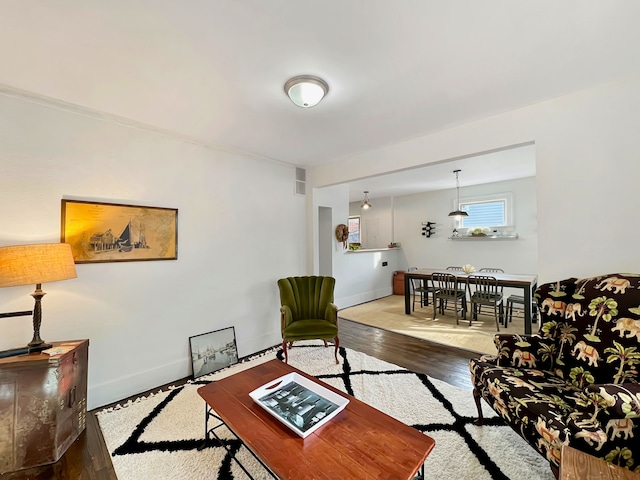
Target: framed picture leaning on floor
{"points": [[213, 351]]}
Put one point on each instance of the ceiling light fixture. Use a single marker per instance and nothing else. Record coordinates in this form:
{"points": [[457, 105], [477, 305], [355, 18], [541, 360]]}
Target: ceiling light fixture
{"points": [[306, 90], [457, 212], [365, 202]]}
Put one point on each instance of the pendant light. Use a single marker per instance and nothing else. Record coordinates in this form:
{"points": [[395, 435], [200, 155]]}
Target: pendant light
{"points": [[457, 212], [365, 202]]}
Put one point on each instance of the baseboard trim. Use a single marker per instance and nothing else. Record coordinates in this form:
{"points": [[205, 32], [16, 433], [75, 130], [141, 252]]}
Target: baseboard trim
{"points": [[363, 297]]}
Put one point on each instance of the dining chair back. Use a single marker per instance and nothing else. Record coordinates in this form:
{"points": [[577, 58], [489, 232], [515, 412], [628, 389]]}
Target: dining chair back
{"points": [[420, 289], [446, 289], [458, 269], [484, 291], [490, 270]]}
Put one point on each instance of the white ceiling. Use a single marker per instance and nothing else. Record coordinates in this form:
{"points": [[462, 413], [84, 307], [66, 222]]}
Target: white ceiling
{"points": [[214, 70], [497, 166]]}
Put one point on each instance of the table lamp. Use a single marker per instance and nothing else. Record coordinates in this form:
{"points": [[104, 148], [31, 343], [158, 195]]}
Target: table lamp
{"points": [[34, 264]]}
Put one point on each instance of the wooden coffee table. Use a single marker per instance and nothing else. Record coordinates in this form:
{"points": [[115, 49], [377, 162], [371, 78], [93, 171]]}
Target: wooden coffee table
{"points": [[360, 442]]}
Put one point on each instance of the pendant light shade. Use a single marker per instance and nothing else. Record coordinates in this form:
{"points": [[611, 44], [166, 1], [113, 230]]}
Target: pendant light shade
{"points": [[457, 212], [306, 90], [365, 205]]}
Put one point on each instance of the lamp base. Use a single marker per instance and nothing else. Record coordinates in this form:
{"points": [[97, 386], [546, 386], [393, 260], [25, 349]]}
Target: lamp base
{"points": [[39, 348], [24, 350]]}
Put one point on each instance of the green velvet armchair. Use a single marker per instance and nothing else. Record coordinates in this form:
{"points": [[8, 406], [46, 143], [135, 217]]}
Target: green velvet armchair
{"points": [[308, 311]]}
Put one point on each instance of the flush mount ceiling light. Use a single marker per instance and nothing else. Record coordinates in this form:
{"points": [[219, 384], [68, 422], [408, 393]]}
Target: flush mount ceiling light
{"points": [[457, 212], [365, 202], [306, 90]]}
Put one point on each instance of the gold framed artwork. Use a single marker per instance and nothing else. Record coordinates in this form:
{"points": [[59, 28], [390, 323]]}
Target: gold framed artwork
{"points": [[112, 232]]}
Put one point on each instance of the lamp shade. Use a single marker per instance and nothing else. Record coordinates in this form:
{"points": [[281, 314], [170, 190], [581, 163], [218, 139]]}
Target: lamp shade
{"points": [[37, 263], [457, 212], [365, 204]]}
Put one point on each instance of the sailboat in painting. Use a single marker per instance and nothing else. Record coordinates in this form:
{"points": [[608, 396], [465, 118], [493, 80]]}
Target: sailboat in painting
{"points": [[124, 241]]}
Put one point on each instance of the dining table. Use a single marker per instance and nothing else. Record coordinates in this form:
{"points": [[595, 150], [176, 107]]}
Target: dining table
{"points": [[526, 282]]}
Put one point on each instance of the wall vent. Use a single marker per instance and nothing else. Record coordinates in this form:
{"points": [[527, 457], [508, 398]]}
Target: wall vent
{"points": [[301, 181]]}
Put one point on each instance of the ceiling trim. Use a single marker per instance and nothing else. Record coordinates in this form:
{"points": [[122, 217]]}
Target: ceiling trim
{"points": [[75, 109]]}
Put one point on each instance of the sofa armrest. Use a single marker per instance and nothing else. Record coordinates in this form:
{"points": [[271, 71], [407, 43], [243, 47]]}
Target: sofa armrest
{"points": [[286, 317], [331, 313], [615, 400], [531, 351]]}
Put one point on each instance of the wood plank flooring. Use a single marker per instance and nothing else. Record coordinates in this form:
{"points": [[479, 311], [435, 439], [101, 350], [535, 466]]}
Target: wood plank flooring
{"points": [[88, 458]]}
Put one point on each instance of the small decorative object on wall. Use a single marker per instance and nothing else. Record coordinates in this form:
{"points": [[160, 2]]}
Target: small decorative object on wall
{"points": [[342, 234], [112, 232], [428, 229], [213, 351]]}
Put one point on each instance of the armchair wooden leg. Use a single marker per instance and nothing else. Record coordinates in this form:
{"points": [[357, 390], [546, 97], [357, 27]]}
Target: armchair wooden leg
{"points": [[336, 341], [286, 353], [325, 344], [477, 397]]}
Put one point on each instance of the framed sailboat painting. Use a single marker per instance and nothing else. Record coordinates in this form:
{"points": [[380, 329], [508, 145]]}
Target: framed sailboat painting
{"points": [[112, 232]]}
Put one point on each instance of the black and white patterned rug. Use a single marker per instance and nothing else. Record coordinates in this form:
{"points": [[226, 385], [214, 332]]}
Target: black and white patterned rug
{"points": [[161, 436]]}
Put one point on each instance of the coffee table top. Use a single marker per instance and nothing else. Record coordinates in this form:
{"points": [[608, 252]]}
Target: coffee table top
{"points": [[360, 442]]}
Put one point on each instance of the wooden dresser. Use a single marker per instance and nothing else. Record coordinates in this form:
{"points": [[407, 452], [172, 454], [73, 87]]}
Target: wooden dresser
{"points": [[43, 405]]}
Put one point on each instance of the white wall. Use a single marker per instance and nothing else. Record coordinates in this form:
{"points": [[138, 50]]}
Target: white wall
{"points": [[587, 166], [513, 256], [360, 277], [240, 229], [375, 223]]}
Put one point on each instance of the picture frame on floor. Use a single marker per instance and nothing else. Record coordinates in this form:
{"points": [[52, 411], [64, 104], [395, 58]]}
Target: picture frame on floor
{"points": [[213, 351]]}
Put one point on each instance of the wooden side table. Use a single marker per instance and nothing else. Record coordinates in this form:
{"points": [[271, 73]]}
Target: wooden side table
{"points": [[43, 405], [577, 465]]}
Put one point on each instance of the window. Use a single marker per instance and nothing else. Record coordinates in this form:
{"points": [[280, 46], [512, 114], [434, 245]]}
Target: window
{"points": [[487, 211], [354, 229]]}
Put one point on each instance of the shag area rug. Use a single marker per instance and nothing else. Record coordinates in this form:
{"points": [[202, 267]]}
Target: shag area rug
{"points": [[161, 436]]}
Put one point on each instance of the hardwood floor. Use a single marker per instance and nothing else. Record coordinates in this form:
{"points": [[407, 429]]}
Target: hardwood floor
{"points": [[88, 458], [443, 362]]}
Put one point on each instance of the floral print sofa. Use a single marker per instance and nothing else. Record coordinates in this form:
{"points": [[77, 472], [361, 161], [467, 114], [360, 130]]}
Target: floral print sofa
{"points": [[575, 382]]}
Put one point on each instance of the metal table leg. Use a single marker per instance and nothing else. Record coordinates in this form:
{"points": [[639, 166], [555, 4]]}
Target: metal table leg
{"points": [[211, 432]]}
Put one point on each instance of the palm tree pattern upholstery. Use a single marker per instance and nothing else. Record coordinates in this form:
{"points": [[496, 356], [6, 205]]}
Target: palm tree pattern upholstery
{"points": [[575, 382]]}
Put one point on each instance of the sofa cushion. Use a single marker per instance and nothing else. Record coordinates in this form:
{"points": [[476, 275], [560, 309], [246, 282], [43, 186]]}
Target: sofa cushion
{"points": [[597, 325], [310, 329], [537, 402]]}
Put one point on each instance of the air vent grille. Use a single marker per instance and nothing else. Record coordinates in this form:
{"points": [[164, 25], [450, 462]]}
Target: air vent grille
{"points": [[301, 179]]}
